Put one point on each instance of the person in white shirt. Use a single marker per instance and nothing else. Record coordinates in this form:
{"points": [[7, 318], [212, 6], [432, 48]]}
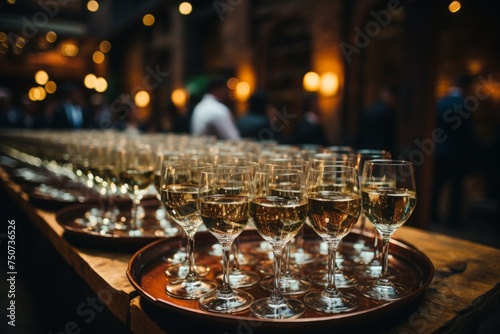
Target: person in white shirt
{"points": [[211, 117]]}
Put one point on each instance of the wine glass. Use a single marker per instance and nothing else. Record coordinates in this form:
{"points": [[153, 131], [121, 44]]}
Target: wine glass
{"points": [[368, 255], [334, 209], [238, 277], [224, 202], [179, 261], [291, 283], [136, 173], [179, 194], [389, 198], [102, 169], [279, 211]]}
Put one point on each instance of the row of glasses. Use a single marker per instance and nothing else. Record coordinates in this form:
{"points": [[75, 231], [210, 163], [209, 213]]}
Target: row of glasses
{"points": [[333, 203]]}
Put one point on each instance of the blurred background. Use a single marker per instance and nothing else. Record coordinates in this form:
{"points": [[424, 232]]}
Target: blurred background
{"points": [[155, 56]]}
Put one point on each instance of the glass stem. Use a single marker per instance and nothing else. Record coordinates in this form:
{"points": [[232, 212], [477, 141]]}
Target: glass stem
{"points": [[135, 206], [286, 260], [384, 277], [226, 253], [376, 251], [276, 296], [191, 275], [236, 254], [331, 288]]}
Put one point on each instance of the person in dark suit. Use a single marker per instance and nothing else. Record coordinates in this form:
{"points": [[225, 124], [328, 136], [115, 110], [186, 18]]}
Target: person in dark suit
{"points": [[453, 155], [309, 129], [10, 115], [73, 112], [377, 123], [256, 119]]}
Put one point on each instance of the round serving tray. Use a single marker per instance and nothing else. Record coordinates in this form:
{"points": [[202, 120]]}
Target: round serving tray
{"points": [[70, 218], [146, 272]]}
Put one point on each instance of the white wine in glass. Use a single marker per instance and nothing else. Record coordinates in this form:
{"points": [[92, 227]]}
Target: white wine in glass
{"points": [[135, 175], [225, 196], [278, 212], [387, 205], [334, 209], [179, 194]]}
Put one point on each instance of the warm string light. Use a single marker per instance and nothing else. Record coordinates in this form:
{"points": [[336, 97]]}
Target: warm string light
{"points": [[327, 83]]}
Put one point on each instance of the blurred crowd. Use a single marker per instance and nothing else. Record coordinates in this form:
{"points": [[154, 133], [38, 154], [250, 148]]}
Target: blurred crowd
{"points": [[211, 113]]}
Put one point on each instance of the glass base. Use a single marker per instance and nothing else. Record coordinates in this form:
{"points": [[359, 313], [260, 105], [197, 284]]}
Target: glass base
{"points": [[182, 269], [288, 309], [178, 257], [342, 281], [369, 271], [241, 278], [184, 289], [386, 291], [217, 302], [289, 285], [340, 302]]}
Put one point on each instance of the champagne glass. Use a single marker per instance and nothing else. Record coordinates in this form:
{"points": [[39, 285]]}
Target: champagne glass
{"points": [[389, 198], [179, 261], [334, 208], [238, 277], [135, 176], [279, 211], [291, 283], [368, 255], [224, 202], [101, 168], [179, 194]]}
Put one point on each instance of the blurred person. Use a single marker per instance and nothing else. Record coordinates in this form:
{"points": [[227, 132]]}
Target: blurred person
{"points": [[211, 117], [100, 111], [309, 130], [251, 124], [377, 123], [126, 117], [10, 115], [73, 112], [453, 156], [34, 117]]}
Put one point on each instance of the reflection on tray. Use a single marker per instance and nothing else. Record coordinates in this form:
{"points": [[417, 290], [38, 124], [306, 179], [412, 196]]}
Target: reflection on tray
{"points": [[88, 221], [147, 268]]}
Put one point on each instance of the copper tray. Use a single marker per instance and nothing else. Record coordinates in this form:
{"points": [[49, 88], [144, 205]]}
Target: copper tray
{"points": [[146, 272], [70, 219]]}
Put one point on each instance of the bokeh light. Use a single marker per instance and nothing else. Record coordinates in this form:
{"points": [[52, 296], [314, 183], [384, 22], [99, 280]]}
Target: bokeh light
{"points": [[100, 85], [51, 36], [179, 97], [329, 84], [148, 20], [105, 46], [454, 6], [141, 99], [41, 77], [185, 8], [51, 87], [311, 82], [89, 81], [93, 6], [242, 91], [98, 57]]}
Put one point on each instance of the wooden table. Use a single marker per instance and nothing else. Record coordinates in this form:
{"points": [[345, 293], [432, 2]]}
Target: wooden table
{"points": [[464, 291]]}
